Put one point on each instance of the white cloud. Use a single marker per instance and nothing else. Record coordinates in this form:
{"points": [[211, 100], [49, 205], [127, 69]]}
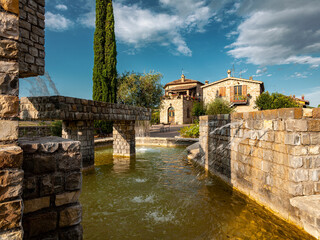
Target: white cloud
{"points": [[138, 26], [57, 22], [313, 96], [279, 32], [62, 7], [299, 75]]}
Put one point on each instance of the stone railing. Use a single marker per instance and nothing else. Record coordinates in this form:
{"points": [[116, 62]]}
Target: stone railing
{"points": [[75, 109], [273, 156], [78, 117]]}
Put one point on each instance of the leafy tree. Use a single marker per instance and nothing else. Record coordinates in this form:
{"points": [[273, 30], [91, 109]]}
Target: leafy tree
{"points": [[105, 59], [319, 106], [218, 106], [143, 90], [155, 116], [198, 109], [274, 101], [191, 131]]}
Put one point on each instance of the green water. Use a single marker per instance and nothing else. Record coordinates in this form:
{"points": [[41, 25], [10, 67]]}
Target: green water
{"points": [[161, 195]]}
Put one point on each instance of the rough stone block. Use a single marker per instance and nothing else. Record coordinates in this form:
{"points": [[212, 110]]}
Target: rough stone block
{"points": [[298, 175], [36, 224], [10, 215], [8, 49], [10, 184], [314, 125], [73, 181], [46, 185], [33, 205], [10, 157], [67, 198], [9, 25], [70, 161], [300, 125], [10, 5], [316, 113], [9, 106], [295, 162], [30, 187], [70, 216], [9, 83], [8, 130], [11, 235]]}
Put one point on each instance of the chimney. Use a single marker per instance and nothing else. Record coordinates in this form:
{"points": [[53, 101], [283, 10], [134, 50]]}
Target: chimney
{"points": [[250, 78], [302, 97], [206, 82], [183, 78], [229, 73]]}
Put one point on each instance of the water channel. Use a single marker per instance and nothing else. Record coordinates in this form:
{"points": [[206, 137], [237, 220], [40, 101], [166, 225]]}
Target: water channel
{"points": [[161, 195]]}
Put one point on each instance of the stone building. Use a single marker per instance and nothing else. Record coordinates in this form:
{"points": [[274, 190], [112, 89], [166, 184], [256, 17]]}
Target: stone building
{"points": [[178, 100], [240, 92]]}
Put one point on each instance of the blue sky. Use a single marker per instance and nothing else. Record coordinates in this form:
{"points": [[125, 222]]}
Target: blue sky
{"points": [[277, 42]]}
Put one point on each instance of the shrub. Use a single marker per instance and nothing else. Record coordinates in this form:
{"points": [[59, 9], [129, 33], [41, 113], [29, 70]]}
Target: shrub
{"points": [[218, 106], [198, 109], [56, 128], [191, 131], [155, 116], [274, 101]]}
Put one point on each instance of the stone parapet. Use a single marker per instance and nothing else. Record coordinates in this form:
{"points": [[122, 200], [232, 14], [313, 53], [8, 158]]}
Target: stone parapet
{"points": [[51, 189], [75, 109], [35, 131], [272, 156]]}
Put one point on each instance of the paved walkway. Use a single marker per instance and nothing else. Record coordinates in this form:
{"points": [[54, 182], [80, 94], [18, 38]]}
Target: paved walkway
{"points": [[170, 132]]}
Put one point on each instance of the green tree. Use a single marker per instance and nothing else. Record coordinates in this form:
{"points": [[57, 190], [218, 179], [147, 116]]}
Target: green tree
{"points": [[143, 90], [105, 59], [275, 101], [218, 106], [198, 109]]}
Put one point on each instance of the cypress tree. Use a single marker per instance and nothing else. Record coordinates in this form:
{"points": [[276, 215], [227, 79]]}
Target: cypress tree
{"points": [[105, 54], [105, 59]]}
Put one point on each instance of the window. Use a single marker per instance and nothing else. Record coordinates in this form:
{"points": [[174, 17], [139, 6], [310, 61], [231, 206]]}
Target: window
{"points": [[238, 90]]}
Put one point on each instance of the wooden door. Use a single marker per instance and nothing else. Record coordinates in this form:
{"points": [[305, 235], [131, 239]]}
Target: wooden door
{"points": [[171, 115]]}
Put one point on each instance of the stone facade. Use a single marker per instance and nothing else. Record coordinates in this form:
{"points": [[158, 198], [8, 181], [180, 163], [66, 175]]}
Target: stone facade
{"points": [[225, 89], [182, 110], [272, 156], [31, 43], [178, 100], [51, 189]]}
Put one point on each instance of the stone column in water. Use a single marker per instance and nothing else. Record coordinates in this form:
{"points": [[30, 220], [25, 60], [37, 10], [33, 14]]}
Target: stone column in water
{"points": [[124, 143], [81, 131]]}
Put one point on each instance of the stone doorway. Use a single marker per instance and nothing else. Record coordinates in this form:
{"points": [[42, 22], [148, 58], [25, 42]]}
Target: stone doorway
{"points": [[171, 115]]}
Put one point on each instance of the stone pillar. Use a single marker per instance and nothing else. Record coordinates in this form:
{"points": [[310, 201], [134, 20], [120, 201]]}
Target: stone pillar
{"points": [[124, 142], [82, 131], [11, 175]]}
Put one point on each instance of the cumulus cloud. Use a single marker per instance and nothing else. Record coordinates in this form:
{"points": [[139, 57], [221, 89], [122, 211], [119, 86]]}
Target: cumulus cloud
{"points": [[57, 22], [299, 75], [62, 7], [138, 26], [278, 32]]}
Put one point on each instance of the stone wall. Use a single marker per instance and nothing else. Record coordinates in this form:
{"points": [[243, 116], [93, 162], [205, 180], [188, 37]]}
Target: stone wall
{"points": [[35, 131], [31, 44], [76, 109], [272, 156], [11, 156], [124, 138], [180, 106], [51, 189]]}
